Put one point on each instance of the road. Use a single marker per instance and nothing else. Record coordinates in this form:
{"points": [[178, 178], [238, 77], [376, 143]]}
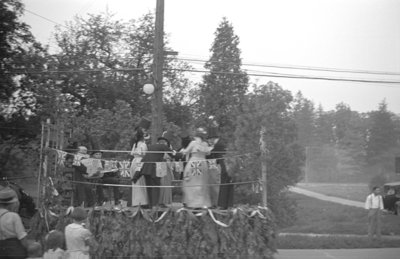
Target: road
{"points": [[326, 197], [373, 253]]}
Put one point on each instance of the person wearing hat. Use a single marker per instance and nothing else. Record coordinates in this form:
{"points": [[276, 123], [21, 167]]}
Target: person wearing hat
{"points": [[155, 153], [196, 192], [225, 193], [139, 148], [99, 176], [13, 241]]}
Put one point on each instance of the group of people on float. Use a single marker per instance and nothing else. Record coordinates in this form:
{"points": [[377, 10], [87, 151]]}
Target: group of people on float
{"points": [[152, 167], [204, 169]]}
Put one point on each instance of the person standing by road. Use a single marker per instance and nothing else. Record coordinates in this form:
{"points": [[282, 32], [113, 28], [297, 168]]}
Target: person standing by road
{"points": [[374, 205]]}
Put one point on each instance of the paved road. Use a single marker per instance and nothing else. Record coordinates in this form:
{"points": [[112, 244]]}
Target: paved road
{"points": [[327, 198], [373, 253]]}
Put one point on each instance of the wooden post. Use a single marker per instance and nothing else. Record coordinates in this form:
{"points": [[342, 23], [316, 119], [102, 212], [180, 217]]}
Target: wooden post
{"points": [[40, 166], [263, 149], [157, 102]]}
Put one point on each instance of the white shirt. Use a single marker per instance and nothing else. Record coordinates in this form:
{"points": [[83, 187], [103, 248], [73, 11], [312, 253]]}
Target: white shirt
{"points": [[75, 237], [11, 225], [374, 202]]}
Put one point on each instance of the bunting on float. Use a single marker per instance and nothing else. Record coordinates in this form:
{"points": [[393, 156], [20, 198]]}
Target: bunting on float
{"points": [[61, 156], [195, 168], [212, 164], [124, 168]]}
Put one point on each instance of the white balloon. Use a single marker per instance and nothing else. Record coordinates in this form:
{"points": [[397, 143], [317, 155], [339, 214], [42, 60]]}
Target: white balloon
{"points": [[148, 88]]}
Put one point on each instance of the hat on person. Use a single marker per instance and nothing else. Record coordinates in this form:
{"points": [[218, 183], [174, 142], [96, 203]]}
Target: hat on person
{"points": [[97, 151], [82, 149], [165, 139], [201, 132], [8, 195], [79, 214]]}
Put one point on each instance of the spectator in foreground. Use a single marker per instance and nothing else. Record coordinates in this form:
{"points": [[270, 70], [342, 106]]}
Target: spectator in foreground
{"points": [[34, 250], [13, 241], [79, 240], [55, 243], [374, 205]]}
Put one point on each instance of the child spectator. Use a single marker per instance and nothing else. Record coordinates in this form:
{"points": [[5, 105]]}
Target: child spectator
{"points": [[55, 242], [78, 238], [34, 250]]}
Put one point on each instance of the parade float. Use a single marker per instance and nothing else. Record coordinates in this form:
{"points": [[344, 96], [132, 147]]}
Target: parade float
{"points": [[162, 232]]}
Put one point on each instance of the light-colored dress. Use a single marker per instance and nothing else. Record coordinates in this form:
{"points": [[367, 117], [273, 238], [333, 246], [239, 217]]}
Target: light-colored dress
{"points": [[139, 192], [196, 192], [75, 237]]}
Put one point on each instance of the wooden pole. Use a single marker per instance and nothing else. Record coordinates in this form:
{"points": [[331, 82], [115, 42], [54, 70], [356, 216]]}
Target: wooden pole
{"points": [[263, 149], [157, 100], [40, 167]]}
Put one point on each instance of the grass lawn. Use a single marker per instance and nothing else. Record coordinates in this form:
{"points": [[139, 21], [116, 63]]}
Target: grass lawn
{"points": [[355, 192], [322, 217]]}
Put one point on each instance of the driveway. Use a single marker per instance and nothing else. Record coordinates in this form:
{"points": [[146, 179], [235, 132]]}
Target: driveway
{"points": [[326, 197]]}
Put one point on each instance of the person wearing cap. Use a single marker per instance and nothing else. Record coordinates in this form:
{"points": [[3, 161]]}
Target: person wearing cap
{"points": [[84, 194], [154, 154], [13, 240], [196, 192], [225, 193]]}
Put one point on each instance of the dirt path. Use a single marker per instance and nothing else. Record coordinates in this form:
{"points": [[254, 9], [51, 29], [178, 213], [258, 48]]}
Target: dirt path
{"points": [[327, 198]]}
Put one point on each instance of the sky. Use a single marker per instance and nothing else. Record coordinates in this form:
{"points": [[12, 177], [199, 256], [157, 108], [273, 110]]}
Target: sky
{"points": [[362, 35]]}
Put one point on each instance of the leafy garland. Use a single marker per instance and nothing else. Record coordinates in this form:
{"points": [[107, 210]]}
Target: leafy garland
{"points": [[181, 234]]}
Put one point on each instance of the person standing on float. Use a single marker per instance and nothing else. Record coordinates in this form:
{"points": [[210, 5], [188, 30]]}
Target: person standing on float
{"points": [[139, 149], [196, 192], [225, 192]]}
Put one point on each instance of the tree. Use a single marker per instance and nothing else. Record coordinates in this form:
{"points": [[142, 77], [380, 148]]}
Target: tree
{"points": [[18, 52], [224, 87], [382, 141], [303, 113], [269, 106]]}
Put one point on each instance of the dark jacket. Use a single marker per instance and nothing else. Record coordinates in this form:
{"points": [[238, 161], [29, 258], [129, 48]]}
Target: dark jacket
{"points": [[149, 159]]}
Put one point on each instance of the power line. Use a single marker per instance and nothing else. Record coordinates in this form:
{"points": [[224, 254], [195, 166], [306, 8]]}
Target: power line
{"points": [[270, 74], [336, 70], [23, 71], [267, 74], [47, 19]]}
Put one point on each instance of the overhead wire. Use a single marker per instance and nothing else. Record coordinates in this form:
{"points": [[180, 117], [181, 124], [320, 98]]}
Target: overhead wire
{"points": [[260, 74]]}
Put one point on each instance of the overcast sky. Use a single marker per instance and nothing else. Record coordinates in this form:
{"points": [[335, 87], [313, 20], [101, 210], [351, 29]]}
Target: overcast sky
{"points": [[343, 34]]}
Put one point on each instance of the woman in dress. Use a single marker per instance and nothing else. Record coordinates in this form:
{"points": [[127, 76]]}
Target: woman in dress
{"points": [[139, 193], [196, 192]]}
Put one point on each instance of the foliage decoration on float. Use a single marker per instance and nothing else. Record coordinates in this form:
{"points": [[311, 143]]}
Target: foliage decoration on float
{"points": [[209, 233]]}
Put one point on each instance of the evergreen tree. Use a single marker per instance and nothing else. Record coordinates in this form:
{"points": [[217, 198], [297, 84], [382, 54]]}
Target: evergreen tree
{"points": [[382, 141], [303, 113], [224, 87]]}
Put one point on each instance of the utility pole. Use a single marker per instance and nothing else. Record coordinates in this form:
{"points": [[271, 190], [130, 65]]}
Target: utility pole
{"points": [[158, 63]]}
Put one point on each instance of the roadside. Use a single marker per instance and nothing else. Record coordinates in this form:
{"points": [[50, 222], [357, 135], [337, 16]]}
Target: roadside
{"points": [[386, 253]]}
